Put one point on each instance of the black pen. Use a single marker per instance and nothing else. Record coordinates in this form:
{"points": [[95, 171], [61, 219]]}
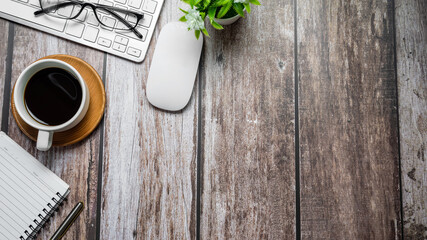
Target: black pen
{"points": [[69, 220]]}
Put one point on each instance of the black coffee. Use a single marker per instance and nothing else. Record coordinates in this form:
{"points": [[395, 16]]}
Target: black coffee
{"points": [[53, 96]]}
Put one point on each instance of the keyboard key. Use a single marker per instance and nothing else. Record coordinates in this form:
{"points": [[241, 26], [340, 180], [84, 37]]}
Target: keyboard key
{"points": [[91, 19], [135, 3], [104, 42], [131, 18], [146, 21], [121, 40], [143, 31], [82, 16], [87, 27], [65, 12], [35, 3], [130, 33], [17, 9], [91, 34], [123, 15], [150, 6], [104, 2], [110, 22], [75, 29], [121, 25], [119, 47], [134, 52]]}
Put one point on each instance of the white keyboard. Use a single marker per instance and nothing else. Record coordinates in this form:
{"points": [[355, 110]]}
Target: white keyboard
{"points": [[86, 29]]}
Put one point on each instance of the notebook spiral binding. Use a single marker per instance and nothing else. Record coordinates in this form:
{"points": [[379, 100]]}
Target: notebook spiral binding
{"points": [[39, 224]]}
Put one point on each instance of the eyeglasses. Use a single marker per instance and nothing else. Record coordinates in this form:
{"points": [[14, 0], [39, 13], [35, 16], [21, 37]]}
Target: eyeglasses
{"points": [[109, 17]]}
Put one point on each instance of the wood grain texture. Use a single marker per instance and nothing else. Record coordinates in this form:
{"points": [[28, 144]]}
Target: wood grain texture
{"points": [[348, 120], [4, 29], [248, 188], [411, 46], [149, 169], [347, 116], [77, 164]]}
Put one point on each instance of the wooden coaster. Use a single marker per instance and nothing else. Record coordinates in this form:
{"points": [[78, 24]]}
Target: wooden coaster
{"points": [[94, 113]]}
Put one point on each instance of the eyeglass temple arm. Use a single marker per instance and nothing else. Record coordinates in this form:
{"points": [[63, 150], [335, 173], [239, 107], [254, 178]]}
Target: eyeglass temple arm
{"points": [[44, 10], [137, 33], [141, 15], [107, 8]]}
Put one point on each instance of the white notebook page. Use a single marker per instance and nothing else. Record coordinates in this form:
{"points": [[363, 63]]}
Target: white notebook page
{"points": [[28, 191]]}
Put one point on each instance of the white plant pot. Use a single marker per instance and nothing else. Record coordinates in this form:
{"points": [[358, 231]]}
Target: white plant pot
{"points": [[227, 21]]}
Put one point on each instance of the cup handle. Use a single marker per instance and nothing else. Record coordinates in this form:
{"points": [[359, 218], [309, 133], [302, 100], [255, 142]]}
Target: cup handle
{"points": [[44, 140]]}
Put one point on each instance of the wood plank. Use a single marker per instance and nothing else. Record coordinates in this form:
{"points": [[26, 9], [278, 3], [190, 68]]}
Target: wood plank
{"points": [[411, 46], [77, 164], [248, 127], [348, 120], [149, 184], [4, 29]]}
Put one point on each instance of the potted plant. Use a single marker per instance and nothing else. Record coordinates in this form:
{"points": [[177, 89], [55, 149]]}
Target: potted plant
{"points": [[219, 12]]}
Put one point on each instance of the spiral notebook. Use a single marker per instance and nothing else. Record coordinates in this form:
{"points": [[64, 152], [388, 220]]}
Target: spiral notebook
{"points": [[29, 192]]}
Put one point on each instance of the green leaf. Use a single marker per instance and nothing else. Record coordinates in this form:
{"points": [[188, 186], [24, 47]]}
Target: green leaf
{"points": [[183, 11], [219, 3], [205, 32], [183, 19], [206, 3], [224, 10], [211, 13], [255, 2], [192, 3], [197, 33], [203, 15], [186, 1], [247, 7], [216, 25], [238, 7], [197, 2]]}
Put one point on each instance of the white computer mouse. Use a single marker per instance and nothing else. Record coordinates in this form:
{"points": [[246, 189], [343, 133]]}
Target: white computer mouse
{"points": [[174, 67]]}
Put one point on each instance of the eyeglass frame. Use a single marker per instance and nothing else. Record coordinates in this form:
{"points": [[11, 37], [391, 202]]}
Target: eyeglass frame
{"points": [[95, 6]]}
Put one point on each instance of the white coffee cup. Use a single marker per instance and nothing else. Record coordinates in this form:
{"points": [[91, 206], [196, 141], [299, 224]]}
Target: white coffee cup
{"points": [[45, 134]]}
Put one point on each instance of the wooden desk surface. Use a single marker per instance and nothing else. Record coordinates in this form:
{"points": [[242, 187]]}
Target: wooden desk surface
{"points": [[308, 121]]}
